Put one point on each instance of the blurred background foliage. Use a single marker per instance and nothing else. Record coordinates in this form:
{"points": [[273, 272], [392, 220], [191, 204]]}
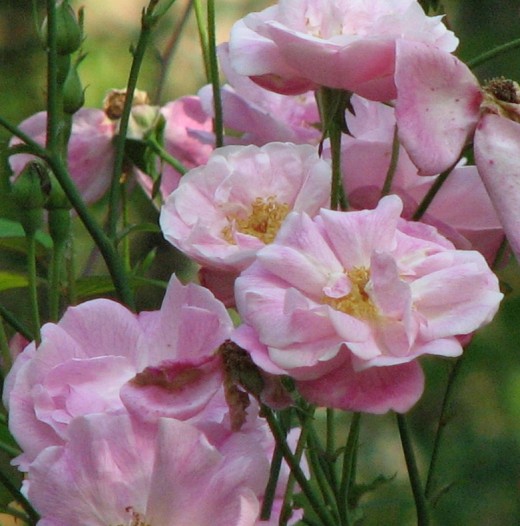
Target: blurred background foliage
{"points": [[480, 460]]}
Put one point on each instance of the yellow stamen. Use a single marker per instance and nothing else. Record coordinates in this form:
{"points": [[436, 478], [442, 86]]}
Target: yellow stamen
{"points": [[263, 222], [357, 302]]}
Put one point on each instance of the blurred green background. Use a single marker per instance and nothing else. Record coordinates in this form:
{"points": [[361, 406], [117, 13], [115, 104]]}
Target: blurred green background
{"points": [[481, 454]]}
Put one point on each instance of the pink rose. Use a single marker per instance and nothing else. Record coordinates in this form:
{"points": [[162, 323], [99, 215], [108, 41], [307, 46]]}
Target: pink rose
{"points": [[112, 472], [366, 292], [298, 45], [90, 155], [224, 212], [461, 210], [261, 115], [102, 358], [444, 108]]}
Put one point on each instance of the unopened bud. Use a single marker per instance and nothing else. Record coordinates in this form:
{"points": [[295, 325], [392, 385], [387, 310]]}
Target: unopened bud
{"points": [[29, 195], [68, 30], [73, 94]]}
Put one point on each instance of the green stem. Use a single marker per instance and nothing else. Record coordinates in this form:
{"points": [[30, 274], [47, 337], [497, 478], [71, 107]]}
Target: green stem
{"points": [[218, 124], [125, 242], [492, 53], [421, 506], [4, 350], [203, 37], [13, 321], [270, 489], [286, 512], [53, 111], [35, 147], [104, 244], [322, 512], [58, 254], [441, 426], [148, 20], [165, 156], [337, 197], [330, 447], [432, 192], [169, 53], [10, 450], [106, 247], [71, 273], [321, 471], [33, 287], [24, 503], [387, 186], [348, 464]]}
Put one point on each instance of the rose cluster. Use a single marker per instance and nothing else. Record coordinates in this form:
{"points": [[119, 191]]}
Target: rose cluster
{"points": [[123, 417]]}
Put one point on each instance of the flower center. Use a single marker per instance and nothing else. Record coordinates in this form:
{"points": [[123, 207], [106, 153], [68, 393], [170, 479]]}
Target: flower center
{"points": [[263, 222], [136, 520], [357, 302], [502, 97]]}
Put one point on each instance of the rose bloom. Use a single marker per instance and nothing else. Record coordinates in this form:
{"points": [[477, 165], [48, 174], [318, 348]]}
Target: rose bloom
{"points": [[298, 45], [112, 472], [345, 302], [102, 358], [461, 210], [444, 108], [90, 153], [261, 116], [224, 212]]}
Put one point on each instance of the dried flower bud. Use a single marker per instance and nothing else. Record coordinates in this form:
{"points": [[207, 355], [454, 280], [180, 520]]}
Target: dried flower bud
{"points": [[502, 97], [242, 376], [115, 101]]}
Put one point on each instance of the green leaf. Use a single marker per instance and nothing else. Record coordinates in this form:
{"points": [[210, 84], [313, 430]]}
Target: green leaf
{"points": [[7, 442], [10, 280], [92, 286], [143, 227], [12, 237]]}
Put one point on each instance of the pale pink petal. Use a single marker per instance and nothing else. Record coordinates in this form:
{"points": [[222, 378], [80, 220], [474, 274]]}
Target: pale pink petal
{"points": [[437, 107], [354, 236], [497, 142], [174, 390], [375, 390]]}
